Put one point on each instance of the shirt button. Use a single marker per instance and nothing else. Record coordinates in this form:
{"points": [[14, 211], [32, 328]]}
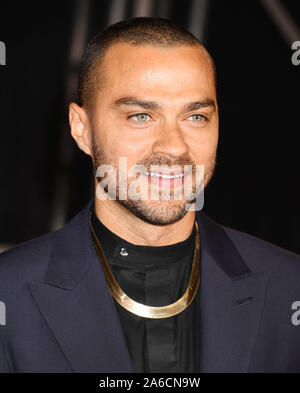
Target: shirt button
{"points": [[123, 252]]}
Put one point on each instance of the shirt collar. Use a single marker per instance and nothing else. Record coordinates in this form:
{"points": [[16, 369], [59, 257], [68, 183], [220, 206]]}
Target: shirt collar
{"points": [[118, 248]]}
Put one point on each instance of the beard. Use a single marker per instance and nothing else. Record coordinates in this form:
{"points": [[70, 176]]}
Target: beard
{"points": [[158, 211]]}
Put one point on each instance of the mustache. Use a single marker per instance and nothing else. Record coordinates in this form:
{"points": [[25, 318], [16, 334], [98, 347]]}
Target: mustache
{"points": [[165, 161]]}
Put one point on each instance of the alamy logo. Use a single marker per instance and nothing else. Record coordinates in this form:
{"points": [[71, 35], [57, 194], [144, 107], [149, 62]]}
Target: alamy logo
{"points": [[296, 55], [296, 314], [2, 53], [2, 314]]}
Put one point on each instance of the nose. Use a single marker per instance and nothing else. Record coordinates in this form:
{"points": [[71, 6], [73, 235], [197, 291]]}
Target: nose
{"points": [[170, 141]]}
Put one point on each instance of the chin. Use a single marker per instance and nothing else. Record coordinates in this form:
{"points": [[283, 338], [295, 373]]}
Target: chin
{"points": [[157, 212]]}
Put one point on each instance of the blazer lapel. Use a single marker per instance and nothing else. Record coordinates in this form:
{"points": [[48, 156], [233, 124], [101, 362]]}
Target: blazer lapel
{"points": [[76, 303], [232, 299]]}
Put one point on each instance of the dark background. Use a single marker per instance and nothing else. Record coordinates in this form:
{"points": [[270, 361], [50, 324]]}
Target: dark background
{"points": [[46, 179]]}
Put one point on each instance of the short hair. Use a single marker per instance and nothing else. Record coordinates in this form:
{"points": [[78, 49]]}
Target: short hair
{"points": [[136, 31]]}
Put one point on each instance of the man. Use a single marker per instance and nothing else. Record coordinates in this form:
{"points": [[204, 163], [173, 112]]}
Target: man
{"points": [[141, 280]]}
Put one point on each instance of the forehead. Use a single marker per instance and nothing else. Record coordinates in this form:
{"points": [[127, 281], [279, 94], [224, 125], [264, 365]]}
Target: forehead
{"points": [[152, 70]]}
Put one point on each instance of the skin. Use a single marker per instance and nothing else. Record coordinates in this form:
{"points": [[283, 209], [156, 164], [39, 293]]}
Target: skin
{"points": [[166, 134]]}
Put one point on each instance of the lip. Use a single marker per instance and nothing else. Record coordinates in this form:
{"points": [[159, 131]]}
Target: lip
{"points": [[166, 179], [165, 175]]}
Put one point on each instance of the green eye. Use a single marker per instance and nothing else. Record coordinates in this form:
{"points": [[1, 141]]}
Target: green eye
{"points": [[197, 117], [141, 117]]}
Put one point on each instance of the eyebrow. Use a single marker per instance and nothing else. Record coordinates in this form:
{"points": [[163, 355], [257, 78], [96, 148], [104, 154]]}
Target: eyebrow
{"points": [[200, 104], [152, 105]]}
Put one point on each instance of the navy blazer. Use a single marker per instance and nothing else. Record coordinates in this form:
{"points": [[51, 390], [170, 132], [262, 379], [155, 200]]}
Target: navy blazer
{"points": [[60, 316]]}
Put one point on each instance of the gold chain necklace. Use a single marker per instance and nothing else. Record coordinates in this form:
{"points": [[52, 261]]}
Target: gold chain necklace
{"points": [[150, 311]]}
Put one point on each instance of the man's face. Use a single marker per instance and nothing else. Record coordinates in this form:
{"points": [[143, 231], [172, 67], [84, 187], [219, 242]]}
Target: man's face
{"points": [[157, 107]]}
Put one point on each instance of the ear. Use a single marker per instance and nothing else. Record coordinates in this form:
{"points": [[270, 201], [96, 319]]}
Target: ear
{"points": [[80, 127]]}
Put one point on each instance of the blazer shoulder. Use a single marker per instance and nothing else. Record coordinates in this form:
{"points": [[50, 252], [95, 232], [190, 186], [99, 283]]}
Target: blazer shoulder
{"points": [[261, 255], [29, 260], [26, 261]]}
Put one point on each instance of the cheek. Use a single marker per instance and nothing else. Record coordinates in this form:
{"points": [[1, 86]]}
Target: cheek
{"points": [[117, 140], [203, 149], [123, 153], [133, 150]]}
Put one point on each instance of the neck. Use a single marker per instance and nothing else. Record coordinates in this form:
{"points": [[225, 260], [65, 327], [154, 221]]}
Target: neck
{"points": [[126, 225]]}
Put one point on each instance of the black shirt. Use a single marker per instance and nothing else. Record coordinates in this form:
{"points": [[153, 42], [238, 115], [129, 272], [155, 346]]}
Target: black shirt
{"points": [[155, 276]]}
